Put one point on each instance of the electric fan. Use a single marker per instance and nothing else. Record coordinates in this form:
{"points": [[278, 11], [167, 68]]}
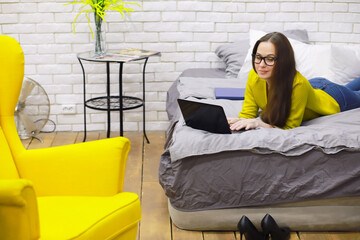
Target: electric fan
{"points": [[32, 110]]}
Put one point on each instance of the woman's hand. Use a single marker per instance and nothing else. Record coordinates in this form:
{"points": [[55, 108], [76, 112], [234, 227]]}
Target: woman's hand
{"points": [[231, 121], [237, 124]]}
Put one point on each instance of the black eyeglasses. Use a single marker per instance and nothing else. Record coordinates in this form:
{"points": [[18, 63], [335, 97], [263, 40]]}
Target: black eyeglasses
{"points": [[270, 61]]}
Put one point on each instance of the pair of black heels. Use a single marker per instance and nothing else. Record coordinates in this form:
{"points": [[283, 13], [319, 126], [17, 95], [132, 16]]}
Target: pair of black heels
{"points": [[269, 227]]}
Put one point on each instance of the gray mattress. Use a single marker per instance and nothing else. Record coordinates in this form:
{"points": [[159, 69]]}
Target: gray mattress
{"points": [[240, 179]]}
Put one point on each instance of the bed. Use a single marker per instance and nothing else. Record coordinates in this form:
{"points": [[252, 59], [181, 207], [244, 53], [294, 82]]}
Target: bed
{"points": [[307, 178]]}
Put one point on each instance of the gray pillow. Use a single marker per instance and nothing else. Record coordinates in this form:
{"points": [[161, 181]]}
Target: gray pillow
{"points": [[298, 34], [233, 54]]}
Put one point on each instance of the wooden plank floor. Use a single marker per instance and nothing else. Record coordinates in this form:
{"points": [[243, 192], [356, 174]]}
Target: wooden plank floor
{"points": [[142, 178]]}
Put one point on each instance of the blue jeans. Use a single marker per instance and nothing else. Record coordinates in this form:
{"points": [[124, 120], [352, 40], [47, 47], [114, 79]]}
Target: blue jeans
{"points": [[348, 96]]}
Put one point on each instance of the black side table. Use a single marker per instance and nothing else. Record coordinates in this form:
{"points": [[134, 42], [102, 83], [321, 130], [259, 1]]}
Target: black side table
{"points": [[112, 103]]}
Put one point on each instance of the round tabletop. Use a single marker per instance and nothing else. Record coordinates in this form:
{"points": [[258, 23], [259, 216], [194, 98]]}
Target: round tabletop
{"points": [[124, 55]]}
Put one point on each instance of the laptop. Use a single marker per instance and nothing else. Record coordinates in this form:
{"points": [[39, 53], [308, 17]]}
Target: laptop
{"points": [[204, 116]]}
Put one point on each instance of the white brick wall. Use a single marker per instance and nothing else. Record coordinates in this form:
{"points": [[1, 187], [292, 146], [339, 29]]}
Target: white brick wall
{"points": [[186, 32]]}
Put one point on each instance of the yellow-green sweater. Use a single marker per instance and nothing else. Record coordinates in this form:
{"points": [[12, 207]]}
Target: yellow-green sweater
{"points": [[306, 102]]}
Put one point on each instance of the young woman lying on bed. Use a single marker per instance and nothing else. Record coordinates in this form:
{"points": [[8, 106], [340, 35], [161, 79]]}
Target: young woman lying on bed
{"points": [[284, 95]]}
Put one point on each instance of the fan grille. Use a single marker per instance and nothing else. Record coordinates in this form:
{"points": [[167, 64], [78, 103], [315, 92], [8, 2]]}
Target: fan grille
{"points": [[33, 109]]}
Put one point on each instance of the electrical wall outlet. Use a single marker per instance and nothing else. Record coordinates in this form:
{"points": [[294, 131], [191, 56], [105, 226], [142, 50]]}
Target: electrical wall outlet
{"points": [[68, 109]]}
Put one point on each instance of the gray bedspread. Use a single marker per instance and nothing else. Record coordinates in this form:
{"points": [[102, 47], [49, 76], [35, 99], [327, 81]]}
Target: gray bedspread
{"points": [[200, 170], [330, 134]]}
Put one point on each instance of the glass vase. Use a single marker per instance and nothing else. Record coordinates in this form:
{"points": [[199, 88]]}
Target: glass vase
{"points": [[99, 35]]}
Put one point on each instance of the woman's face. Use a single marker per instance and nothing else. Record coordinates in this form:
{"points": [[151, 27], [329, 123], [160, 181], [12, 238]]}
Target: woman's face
{"points": [[265, 50]]}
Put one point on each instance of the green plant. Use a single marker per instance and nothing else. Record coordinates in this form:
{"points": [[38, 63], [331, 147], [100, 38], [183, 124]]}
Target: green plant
{"points": [[98, 7]]}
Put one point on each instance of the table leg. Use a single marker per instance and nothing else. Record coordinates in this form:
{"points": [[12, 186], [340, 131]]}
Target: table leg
{"points": [[120, 99], [84, 97], [147, 140], [108, 98]]}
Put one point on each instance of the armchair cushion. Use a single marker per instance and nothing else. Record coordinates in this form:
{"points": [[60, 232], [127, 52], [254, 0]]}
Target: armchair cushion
{"points": [[89, 217], [94, 168]]}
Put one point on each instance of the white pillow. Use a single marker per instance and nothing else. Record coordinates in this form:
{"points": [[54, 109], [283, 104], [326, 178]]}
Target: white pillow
{"points": [[254, 35], [311, 60], [345, 63]]}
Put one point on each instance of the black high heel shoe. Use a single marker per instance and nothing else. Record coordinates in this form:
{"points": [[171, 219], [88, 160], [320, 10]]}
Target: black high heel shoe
{"points": [[269, 226], [246, 227]]}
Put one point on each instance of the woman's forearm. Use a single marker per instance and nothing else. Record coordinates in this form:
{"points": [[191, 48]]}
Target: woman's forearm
{"points": [[264, 125]]}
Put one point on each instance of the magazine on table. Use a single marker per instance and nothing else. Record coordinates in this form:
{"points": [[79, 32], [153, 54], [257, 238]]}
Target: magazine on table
{"points": [[129, 54]]}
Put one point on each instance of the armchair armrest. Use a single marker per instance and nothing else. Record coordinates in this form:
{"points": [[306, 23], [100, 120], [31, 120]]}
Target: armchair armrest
{"points": [[19, 213], [94, 168]]}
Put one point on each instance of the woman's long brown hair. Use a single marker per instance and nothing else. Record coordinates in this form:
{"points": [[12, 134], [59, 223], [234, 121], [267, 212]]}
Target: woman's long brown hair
{"points": [[281, 82]]}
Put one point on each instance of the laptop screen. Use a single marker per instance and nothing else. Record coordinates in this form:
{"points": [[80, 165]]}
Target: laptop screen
{"points": [[204, 116]]}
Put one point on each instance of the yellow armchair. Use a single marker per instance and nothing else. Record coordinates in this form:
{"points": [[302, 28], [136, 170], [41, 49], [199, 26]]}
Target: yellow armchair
{"points": [[65, 192]]}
